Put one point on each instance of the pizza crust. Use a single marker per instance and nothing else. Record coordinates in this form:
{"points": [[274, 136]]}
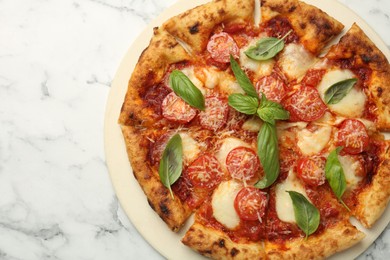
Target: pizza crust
{"points": [[355, 44], [375, 198], [217, 245], [314, 27], [194, 26], [154, 61], [334, 239], [172, 211]]}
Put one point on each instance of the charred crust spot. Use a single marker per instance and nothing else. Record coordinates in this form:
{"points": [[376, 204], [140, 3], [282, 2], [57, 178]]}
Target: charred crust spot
{"points": [[380, 91], [302, 25], [195, 28], [221, 12], [205, 252], [365, 58], [164, 209], [151, 205], [292, 9], [234, 252], [221, 243], [172, 45]]}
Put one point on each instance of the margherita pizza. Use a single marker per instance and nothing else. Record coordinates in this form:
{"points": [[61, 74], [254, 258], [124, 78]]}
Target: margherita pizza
{"points": [[270, 140]]}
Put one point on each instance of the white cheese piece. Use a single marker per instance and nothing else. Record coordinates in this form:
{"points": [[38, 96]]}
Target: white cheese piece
{"points": [[285, 125], [189, 72], [212, 78], [228, 144], [284, 206], [252, 124], [191, 148], [353, 104], [229, 86], [311, 143], [223, 204], [260, 68], [350, 166], [295, 60]]}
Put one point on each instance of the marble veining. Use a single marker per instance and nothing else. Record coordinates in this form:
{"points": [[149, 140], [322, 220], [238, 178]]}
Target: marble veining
{"points": [[57, 61]]}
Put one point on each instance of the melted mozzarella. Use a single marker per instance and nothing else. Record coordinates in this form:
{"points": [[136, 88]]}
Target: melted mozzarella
{"points": [[189, 72], [260, 68], [230, 85], [284, 205], [191, 148], [352, 105], [223, 204], [212, 78], [311, 143], [295, 60], [252, 124], [229, 144], [350, 166]]}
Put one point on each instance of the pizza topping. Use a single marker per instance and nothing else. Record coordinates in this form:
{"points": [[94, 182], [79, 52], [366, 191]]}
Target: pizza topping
{"points": [[338, 91], [272, 87], [215, 115], [306, 214], [157, 147], [228, 144], [311, 170], [243, 103], [295, 60], [221, 46], [223, 204], [313, 77], [205, 172], [266, 48], [250, 203], [242, 163], [183, 87], [353, 170], [278, 27], [305, 105], [243, 80], [270, 111], [353, 136], [284, 205], [171, 162], [191, 148], [253, 124], [175, 109], [334, 174], [353, 103], [313, 141]]}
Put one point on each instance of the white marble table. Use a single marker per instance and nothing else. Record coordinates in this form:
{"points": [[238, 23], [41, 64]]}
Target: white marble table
{"points": [[57, 60]]}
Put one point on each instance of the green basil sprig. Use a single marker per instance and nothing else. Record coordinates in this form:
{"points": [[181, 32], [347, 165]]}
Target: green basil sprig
{"points": [[334, 174], [266, 48], [184, 88], [306, 214], [244, 104], [171, 162], [335, 93], [268, 151], [242, 78], [270, 111]]}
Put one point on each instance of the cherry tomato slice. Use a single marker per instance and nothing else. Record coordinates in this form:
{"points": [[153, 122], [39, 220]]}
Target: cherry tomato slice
{"points": [[352, 135], [221, 45], [205, 172], [250, 203], [176, 109], [312, 170], [313, 77], [215, 114], [272, 87], [305, 105], [242, 163]]}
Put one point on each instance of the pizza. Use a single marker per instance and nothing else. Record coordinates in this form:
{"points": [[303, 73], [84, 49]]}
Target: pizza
{"points": [[267, 133]]}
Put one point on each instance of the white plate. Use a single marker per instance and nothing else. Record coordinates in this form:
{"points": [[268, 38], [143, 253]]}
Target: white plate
{"points": [[129, 193]]}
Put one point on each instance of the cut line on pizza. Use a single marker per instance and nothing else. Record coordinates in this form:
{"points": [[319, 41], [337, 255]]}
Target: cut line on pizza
{"points": [[270, 138]]}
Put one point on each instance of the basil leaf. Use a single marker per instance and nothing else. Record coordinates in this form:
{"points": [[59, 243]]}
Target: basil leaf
{"points": [[306, 214], [339, 90], [171, 162], [270, 111], [268, 151], [334, 174], [266, 48], [184, 88], [242, 79], [244, 104]]}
